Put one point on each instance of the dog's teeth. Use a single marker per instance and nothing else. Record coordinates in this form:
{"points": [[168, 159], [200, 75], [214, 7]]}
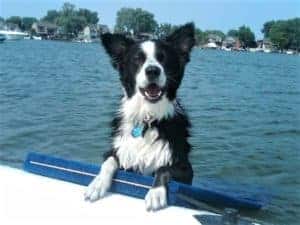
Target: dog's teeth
{"points": [[151, 97], [148, 96]]}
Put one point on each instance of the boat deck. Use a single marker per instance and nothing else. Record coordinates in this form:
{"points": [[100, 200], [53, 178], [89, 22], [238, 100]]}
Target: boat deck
{"points": [[32, 199]]}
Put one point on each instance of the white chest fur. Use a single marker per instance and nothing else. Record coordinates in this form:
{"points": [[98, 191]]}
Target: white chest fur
{"points": [[145, 154]]}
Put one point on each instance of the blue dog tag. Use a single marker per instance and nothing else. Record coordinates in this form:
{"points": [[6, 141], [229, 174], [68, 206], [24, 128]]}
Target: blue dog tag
{"points": [[137, 131]]}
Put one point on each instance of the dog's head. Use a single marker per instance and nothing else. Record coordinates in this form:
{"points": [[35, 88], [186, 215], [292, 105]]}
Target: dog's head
{"points": [[151, 68]]}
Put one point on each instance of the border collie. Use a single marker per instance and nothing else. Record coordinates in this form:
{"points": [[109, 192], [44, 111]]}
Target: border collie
{"points": [[151, 129]]}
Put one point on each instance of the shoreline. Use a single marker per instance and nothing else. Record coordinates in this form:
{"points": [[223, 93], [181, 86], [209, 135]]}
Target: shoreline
{"points": [[202, 47]]}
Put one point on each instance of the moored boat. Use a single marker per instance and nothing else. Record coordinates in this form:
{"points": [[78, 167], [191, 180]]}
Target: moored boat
{"points": [[37, 38], [13, 35], [266, 50], [289, 52]]}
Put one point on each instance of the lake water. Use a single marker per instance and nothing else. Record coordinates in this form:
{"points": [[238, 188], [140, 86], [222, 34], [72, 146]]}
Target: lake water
{"points": [[58, 98]]}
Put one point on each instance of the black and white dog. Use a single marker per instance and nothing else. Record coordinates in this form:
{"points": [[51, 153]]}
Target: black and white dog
{"points": [[150, 132]]}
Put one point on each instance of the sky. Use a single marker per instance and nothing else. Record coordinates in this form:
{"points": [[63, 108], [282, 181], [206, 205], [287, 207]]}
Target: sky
{"points": [[206, 14]]}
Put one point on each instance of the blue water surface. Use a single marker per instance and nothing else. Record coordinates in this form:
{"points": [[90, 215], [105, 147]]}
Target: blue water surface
{"points": [[58, 98]]}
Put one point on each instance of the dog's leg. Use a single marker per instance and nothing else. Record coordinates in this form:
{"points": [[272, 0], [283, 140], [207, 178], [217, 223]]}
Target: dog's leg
{"points": [[156, 197], [101, 183]]}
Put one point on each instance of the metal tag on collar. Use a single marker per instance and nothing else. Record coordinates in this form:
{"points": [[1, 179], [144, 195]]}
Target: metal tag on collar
{"points": [[138, 130]]}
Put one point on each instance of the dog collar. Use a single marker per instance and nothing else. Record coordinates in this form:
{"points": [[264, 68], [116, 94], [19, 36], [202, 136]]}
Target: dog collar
{"points": [[139, 129]]}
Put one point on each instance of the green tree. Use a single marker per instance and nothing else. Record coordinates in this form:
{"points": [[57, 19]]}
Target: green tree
{"points": [[285, 34], [72, 25], [294, 33], [233, 33], [51, 17], [279, 36], [68, 9], [246, 37], [217, 33], [144, 21], [15, 20], [125, 20], [201, 37], [27, 22], [267, 27], [164, 29], [135, 20], [70, 21], [91, 17]]}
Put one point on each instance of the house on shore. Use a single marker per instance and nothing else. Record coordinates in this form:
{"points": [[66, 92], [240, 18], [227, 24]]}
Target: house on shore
{"points": [[265, 45], [231, 43], [214, 41], [10, 26], [44, 29], [91, 33]]}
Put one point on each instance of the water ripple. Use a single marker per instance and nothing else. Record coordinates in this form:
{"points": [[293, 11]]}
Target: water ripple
{"points": [[58, 98]]}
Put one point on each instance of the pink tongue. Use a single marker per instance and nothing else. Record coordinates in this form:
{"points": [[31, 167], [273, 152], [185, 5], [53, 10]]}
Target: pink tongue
{"points": [[153, 90]]}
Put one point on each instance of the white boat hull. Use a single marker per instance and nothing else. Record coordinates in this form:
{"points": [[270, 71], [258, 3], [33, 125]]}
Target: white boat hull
{"points": [[37, 38], [13, 35], [32, 199]]}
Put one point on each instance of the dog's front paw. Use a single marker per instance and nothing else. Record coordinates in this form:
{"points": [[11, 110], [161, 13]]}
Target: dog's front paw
{"points": [[97, 189], [156, 198]]}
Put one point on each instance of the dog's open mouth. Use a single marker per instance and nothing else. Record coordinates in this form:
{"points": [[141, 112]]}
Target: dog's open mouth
{"points": [[152, 92]]}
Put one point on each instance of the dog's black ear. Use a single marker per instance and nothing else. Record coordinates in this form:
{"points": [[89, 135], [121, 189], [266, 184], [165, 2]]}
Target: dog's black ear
{"points": [[116, 46], [183, 40]]}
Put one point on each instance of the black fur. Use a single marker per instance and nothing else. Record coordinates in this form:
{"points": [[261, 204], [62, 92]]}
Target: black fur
{"points": [[173, 54]]}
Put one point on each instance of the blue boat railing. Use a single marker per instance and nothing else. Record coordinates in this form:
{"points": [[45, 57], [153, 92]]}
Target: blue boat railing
{"points": [[137, 185]]}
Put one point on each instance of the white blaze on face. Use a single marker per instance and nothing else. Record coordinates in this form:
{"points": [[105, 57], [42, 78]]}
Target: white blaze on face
{"points": [[148, 48], [137, 107]]}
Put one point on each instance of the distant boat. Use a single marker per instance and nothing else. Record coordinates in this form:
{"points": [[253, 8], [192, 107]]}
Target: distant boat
{"points": [[36, 38], [226, 49], [2, 38], [211, 45], [254, 49], [289, 52], [86, 40], [260, 49], [13, 35], [267, 50]]}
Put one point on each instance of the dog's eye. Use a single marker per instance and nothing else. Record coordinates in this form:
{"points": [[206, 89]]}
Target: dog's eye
{"points": [[139, 57], [160, 56]]}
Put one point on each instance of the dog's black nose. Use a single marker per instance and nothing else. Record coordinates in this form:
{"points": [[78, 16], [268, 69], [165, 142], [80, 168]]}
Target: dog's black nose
{"points": [[152, 72]]}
